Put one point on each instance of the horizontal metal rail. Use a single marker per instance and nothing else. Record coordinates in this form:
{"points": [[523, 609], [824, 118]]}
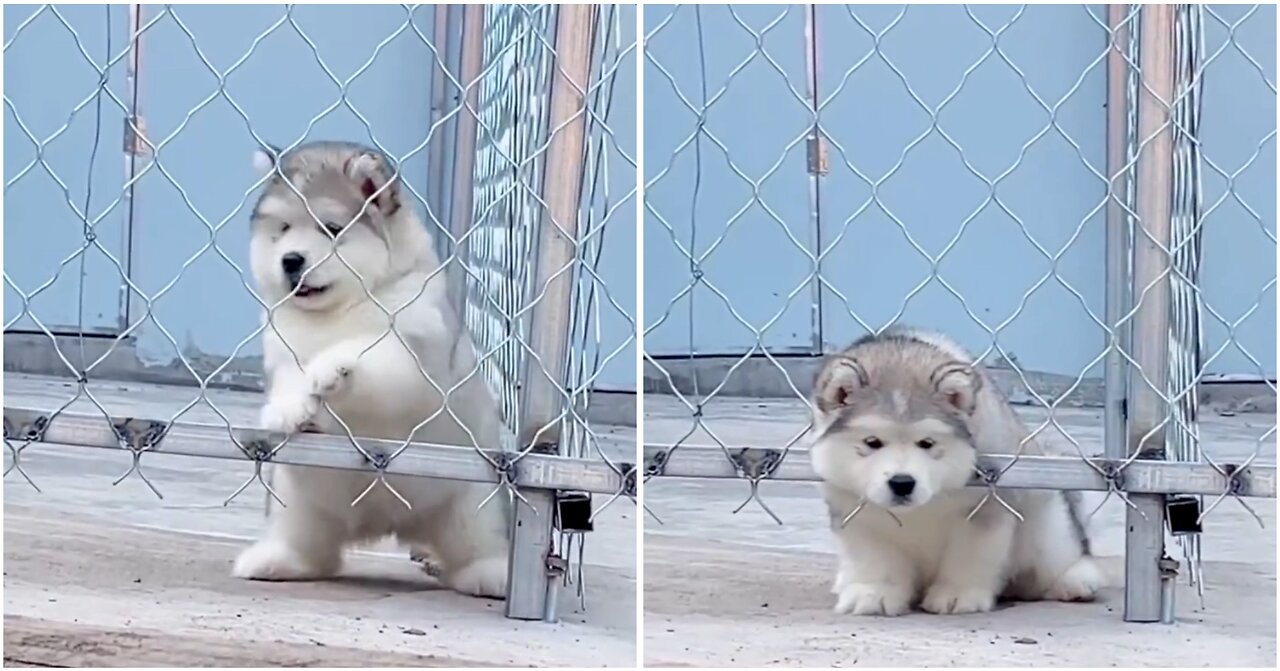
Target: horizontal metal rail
{"points": [[1005, 471], [146, 435]]}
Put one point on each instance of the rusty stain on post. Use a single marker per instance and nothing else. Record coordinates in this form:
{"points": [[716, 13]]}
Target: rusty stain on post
{"points": [[464, 154], [1151, 262]]}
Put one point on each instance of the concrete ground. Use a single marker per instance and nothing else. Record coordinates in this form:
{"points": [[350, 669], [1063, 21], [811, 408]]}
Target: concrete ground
{"points": [[103, 575], [739, 590]]}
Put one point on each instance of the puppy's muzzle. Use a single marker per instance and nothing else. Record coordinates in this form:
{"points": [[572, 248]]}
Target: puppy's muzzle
{"points": [[293, 264], [902, 486]]}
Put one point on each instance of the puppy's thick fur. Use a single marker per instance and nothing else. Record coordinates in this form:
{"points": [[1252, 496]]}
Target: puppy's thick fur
{"points": [[899, 421], [328, 341]]}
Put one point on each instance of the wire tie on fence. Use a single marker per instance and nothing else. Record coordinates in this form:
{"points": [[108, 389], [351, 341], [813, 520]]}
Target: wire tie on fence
{"points": [[29, 432], [656, 464], [378, 460], [1238, 488], [987, 475], [139, 436], [25, 425], [1236, 485], [82, 378], [628, 479], [1113, 473], [505, 464], [697, 273], [756, 464]]}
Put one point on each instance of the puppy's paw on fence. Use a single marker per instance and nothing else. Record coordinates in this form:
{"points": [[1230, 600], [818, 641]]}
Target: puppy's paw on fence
{"points": [[330, 372], [289, 414]]}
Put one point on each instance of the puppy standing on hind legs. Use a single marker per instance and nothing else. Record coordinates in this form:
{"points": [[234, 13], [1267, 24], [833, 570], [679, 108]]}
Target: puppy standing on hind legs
{"points": [[899, 421], [343, 268]]}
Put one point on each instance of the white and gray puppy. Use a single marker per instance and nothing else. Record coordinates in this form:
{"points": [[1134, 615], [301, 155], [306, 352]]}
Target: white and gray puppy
{"points": [[899, 420], [333, 278]]}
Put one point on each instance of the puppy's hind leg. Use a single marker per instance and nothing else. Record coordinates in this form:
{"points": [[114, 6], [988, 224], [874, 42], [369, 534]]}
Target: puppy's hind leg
{"points": [[470, 544], [1055, 555]]}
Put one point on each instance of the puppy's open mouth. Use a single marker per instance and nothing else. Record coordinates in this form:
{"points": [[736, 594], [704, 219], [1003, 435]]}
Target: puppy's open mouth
{"points": [[305, 290]]}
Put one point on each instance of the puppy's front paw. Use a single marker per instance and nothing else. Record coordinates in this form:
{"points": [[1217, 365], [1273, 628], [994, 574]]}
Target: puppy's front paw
{"points": [[954, 599], [289, 414], [482, 577], [860, 598]]}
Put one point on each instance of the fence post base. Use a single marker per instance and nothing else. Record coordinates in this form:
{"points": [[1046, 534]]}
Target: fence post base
{"points": [[1144, 549], [528, 575]]}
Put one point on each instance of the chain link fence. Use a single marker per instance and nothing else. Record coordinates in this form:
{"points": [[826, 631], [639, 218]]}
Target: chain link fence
{"points": [[495, 128], [1082, 195]]}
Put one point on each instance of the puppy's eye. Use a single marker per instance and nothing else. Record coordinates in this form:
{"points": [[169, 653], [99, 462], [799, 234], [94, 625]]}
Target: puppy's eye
{"points": [[333, 229], [284, 228], [925, 443], [874, 443]]}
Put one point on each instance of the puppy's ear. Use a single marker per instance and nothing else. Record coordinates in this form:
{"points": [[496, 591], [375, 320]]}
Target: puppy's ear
{"points": [[958, 385], [841, 376], [264, 159], [373, 177]]}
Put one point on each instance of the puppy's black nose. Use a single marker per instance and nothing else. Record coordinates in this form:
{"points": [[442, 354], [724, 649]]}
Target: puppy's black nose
{"points": [[293, 263], [902, 485]]}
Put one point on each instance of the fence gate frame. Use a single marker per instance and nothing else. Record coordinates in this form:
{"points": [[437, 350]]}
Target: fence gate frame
{"points": [[1144, 95], [541, 468]]}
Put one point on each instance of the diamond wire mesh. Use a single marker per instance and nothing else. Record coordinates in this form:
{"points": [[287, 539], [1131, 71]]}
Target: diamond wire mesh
{"points": [[496, 250], [679, 437]]}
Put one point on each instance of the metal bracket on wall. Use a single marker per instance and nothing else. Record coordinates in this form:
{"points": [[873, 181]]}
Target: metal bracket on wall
{"points": [[817, 155], [134, 137]]}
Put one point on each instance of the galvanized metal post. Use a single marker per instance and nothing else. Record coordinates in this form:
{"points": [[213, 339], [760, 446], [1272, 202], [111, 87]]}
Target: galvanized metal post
{"points": [[817, 168], [545, 399], [1115, 442], [1148, 388], [438, 176]]}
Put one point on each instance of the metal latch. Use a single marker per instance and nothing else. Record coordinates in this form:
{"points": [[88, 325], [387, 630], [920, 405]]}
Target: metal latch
{"points": [[1183, 512], [573, 511]]}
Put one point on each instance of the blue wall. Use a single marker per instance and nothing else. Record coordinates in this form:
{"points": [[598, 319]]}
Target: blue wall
{"points": [[756, 233], [43, 233], [1238, 132], [207, 177], [614, 216], [1024, 256], [188, 248]]}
